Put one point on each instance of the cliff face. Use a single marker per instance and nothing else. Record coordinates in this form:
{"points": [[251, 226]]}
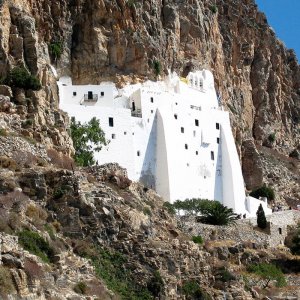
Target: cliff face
{"points": [[257, 77]]}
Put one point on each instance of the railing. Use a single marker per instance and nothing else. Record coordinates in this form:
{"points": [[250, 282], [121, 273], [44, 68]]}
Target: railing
{"points": [[137, 113], [88, 98], [196, 107]]}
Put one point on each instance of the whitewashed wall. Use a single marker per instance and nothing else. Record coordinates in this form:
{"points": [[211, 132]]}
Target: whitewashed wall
{"points": [[200, 162]]}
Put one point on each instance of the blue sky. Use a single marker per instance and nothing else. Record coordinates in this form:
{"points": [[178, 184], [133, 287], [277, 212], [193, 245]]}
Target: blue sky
{"points": [[283, 17]]}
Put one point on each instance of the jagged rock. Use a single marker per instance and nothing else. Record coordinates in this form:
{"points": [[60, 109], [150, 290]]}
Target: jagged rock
{"points": [[11, 261], [6, 91]]}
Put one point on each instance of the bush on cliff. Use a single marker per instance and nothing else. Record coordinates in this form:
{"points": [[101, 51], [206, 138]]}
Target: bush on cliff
{"points": [[267, 273], [87, 138], [21, 78], [264, 191]]}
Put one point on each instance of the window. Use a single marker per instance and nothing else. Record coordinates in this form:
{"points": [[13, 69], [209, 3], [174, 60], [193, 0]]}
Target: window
{"points": [[218, 140], [102, 94], [194, 133], [111, 122], [187, 164], [196, 152], [175, 116], [217, 125], [90, 95], [176, 103], [182, 130], [196, 122], [151, 99], [148, 120], [113, 136], [125, 132], [74, 94], [133, 106], [280, 230], [133, 133], [151, 111], [212, 155], [186, 146], [138, 153]]}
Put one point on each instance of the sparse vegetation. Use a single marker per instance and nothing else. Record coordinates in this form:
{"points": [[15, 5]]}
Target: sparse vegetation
{"points": [[267, 273], [35, 244], [261, 218], [264, 191], [225, 275], [6, 284], [21, 78], [113, 269], [157, 67], [272, 137], [156, 284], [197, 239], [87, 138], [214, 9], [192, 290], [55, 49], [293, 241], [80, 288]]}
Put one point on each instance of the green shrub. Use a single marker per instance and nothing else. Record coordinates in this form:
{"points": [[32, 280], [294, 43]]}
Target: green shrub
{"points": [[197, 239], [80, 288], [225, 275], [35, 244], [267, 273], [55, 49], [87, 138], [21, 78], [292, 241], [147, 211], [3, 132], [113, 269], [213, 9], [272, 137], [261, 218], [156, 284], [156, 67], [191, 289], [264, 191]]}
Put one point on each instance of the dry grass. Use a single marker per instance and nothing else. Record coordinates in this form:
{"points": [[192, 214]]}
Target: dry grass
{"points": [[60, 160]]}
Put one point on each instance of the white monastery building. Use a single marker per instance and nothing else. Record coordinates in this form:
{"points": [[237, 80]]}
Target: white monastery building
{"points": [[171, 135]]}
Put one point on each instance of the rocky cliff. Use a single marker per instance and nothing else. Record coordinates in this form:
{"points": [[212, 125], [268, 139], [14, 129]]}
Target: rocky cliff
{"points": [[102, 236], [257, 77]]}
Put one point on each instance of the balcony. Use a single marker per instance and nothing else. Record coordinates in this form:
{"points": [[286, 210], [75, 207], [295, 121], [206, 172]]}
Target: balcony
{"points": [[136, 113], [90, 97]]}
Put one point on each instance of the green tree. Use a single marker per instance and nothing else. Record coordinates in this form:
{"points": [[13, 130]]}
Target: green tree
{"points": [[192, 290], [215, 213], [264, 191], [292, 241], [87, 138], [261, 218], [267, 273], [156, 284]]}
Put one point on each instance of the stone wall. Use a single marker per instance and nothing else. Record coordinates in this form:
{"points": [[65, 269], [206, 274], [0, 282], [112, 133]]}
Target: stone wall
{"points": [[246, 230]]}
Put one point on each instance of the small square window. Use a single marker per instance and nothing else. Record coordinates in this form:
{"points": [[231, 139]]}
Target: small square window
{"points": [[176, 103], [186, 146], [217, 125], [196, 122], [125, 132], [102, 94], [74, 93], [218, 140], [111, 122], [196, 152], [212, 155], [175, 116], [113, 136], [182, 130], [133, 133], [151, 99], [138, 153]]}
